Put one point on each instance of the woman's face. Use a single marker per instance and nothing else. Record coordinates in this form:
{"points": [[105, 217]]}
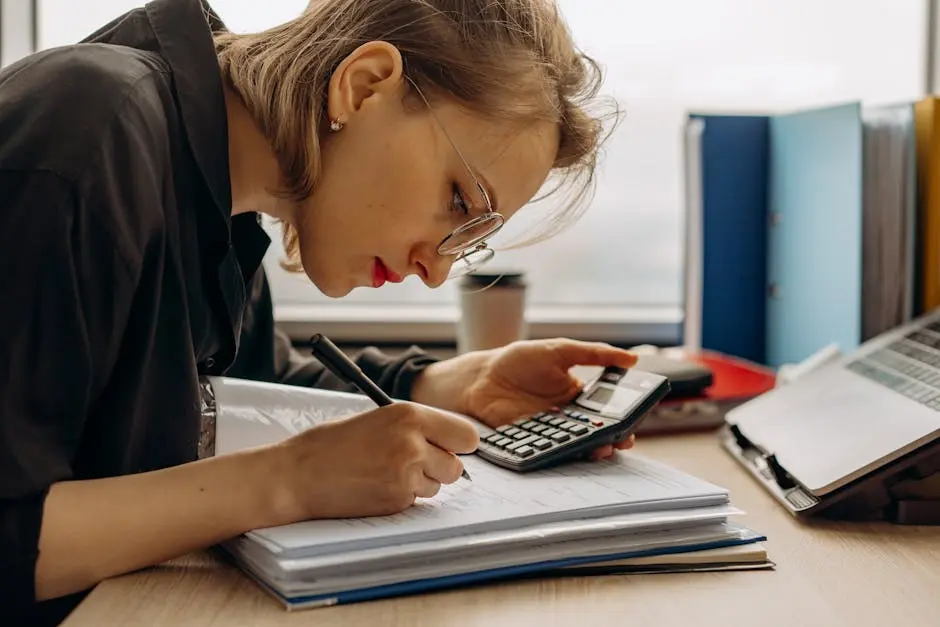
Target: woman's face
{"points": [[392, 186]]}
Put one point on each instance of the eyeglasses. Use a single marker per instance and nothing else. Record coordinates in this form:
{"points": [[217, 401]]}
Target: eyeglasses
{"points": [[467, 242]]}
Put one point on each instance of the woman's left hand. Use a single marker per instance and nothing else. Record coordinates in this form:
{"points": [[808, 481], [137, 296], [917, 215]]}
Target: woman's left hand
{"points": [[501, 385]]}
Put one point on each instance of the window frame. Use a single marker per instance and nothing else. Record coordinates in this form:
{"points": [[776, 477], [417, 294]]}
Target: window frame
{"points": [[437, 324]]}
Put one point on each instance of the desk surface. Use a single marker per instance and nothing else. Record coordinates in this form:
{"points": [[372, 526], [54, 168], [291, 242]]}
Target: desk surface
{"points": [[827, 574]]}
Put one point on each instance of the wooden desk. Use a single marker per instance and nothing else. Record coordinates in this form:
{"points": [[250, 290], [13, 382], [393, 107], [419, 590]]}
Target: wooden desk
{"points": [[827, 574]]}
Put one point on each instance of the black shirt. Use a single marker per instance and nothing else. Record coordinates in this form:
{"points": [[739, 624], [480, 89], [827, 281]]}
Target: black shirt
{"points": [[123, 275]]}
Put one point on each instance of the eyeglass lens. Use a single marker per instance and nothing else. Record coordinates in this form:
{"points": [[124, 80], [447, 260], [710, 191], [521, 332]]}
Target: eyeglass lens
{"points": [[471, 234], [469, 262]]}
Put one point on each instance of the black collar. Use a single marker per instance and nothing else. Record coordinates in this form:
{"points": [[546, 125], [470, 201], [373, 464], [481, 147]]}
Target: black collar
{"points": [[181, 32], [182, 28]]}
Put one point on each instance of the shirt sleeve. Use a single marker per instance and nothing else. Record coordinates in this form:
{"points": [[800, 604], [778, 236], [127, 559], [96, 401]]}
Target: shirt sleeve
{"points": [[61, 283], [266, 353]]}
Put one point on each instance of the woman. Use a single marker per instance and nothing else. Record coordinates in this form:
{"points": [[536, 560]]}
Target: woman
{"points": [[389, 137]]}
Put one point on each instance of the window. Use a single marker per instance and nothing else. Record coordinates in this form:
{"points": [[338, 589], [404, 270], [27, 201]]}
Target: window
{"points": [[616, 275], [17, 30]]}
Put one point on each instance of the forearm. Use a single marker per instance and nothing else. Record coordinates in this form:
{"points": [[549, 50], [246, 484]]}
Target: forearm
{"points": [[96, 529]]}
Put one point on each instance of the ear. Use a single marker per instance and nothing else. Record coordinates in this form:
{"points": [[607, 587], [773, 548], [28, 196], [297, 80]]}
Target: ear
{"points": [[371, 73]]}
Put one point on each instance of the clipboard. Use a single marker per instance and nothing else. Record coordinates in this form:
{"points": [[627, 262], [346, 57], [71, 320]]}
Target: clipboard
{"points": [[841, 443]]}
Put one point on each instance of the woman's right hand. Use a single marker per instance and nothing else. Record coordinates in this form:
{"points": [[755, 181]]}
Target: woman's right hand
{"points": [[373, 463]]}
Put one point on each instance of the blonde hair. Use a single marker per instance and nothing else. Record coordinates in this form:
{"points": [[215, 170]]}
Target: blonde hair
{"points": [[506, 59]]}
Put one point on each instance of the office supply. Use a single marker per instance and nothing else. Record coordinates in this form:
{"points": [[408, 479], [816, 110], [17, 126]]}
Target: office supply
{"points": [[485, 544], [607, 410], [838, 574], [726, 165], [752, 556], [815, 236], [339, 364], [810, 213], [733, 381], [501, 524], [502, 499], [687, 377], [355, 581], [834, 440], [889, 217], [927, 132]]}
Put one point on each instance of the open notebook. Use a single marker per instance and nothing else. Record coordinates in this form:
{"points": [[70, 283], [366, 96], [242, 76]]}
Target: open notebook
{"points": [[500, 524]]}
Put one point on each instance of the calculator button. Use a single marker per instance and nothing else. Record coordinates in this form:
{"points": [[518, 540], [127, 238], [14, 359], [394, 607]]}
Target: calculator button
{"points": [[578, 429], [561, 436], [493, 438], [524, 451], [612, 376], [542, 444], [504, 441], [511, 431], [521, 434], [529, 425], [550, 431], [503, 428], [520, 443], [539, 428], [556, 421], [546, 418]]}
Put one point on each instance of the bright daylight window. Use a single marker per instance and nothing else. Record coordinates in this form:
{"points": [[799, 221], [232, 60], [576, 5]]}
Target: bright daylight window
{"points": [[616, 275]]}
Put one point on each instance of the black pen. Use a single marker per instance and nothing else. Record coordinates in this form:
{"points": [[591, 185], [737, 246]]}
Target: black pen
{"points": [[344, 368]]}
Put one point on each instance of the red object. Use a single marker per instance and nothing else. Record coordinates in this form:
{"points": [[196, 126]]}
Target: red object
{"points": [[735, 381]]}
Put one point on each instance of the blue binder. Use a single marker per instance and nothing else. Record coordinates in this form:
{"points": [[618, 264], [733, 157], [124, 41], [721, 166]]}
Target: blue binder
{"points": [[815, 241], [734, 192]]}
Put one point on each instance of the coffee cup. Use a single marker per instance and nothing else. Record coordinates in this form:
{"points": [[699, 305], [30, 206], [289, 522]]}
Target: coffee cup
{"points": [[492, 310]]}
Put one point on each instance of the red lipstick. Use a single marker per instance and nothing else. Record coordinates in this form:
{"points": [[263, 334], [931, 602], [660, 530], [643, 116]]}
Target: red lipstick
{"points": [[379, 273]]}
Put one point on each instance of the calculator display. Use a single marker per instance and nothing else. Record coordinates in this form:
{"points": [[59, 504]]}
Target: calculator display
{"points": [[610, 400], [601, 395]]}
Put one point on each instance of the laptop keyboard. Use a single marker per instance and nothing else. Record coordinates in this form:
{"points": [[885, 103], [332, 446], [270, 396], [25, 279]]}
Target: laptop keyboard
{"points": [[909, 366]]}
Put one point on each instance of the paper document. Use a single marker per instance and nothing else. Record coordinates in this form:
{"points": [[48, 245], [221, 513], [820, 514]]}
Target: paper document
{"points": [[502, 499], [443, 572], [548, 551], [487, 542], [255, 413]]}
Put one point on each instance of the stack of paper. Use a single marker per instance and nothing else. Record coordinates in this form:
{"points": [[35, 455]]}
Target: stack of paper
{"points": [[498, 525]]}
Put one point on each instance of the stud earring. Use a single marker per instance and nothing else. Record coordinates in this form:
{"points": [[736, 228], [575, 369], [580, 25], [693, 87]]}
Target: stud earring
{"points": [[336, 125]]}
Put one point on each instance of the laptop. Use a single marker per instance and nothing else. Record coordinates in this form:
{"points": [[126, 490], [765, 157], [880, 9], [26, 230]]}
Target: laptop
{"points": [[837, 437]]}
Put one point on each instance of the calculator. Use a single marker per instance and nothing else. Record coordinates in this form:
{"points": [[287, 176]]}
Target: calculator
{"points": [[606, 411]]}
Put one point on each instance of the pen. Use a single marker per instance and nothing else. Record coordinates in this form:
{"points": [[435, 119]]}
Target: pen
{"points": [[344, 368]]}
